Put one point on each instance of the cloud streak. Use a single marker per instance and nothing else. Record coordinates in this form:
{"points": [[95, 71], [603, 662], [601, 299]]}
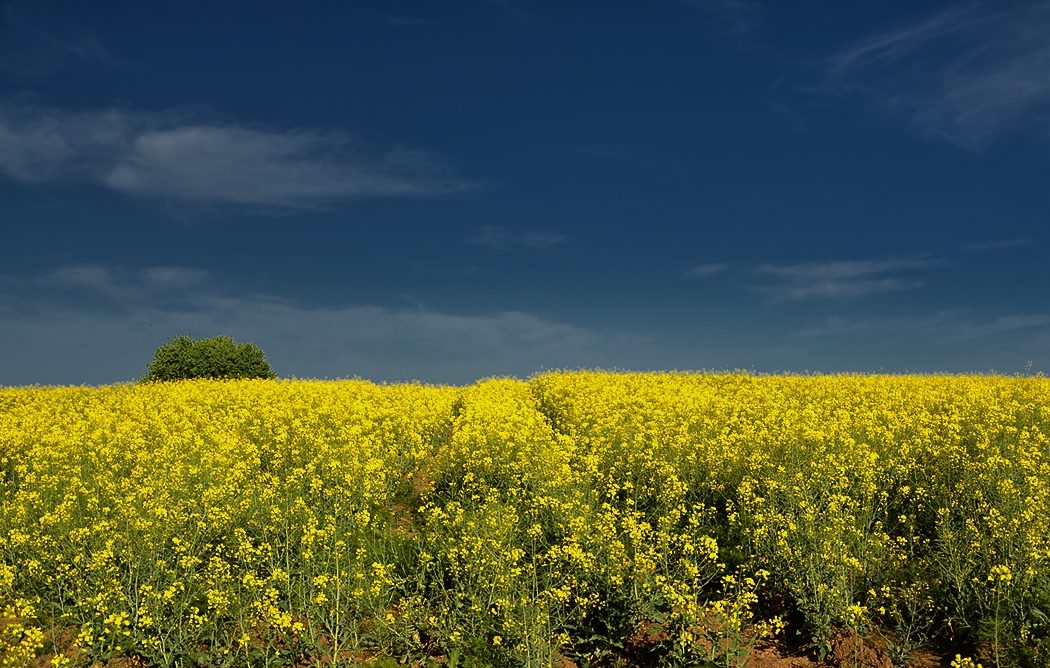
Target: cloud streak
{"points": [[998, 245], [108, 289], [26, 51], [129, 285], [169, 156], [946, 327], [498, 237], [152, 304], [740, 16], [704, 270], [968, 75], [839, 280]]}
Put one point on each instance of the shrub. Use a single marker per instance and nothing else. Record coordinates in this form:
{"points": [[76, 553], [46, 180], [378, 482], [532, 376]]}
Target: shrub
{"points": [[221, 357]]}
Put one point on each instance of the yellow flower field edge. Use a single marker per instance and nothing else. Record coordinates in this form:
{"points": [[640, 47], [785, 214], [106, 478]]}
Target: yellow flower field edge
{"points": [[631, 519]]}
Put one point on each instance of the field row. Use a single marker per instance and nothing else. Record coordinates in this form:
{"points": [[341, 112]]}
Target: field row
{"points": [[602, 518]]}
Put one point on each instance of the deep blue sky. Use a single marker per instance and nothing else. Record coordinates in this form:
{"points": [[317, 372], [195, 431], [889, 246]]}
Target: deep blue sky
{"points": [[445, 191]]}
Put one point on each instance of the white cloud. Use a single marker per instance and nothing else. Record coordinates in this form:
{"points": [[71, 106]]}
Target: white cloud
{"points": [[170, 156], [90, 276], [498, 237], [945, 327], [40, 145], [173, 277], [106, 279], [410, 21], [967, 75], [998, 245], [840, 280], [704, 270], [26, 51], [108, 287], [55, 339], [839, 289], [1000, 325], [739, 15]]}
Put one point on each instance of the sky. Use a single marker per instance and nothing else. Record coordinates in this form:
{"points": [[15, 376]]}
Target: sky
{"points": [[446, 191]]}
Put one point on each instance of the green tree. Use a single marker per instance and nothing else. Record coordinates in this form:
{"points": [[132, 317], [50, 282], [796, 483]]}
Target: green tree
{"points": [[221, 357]]}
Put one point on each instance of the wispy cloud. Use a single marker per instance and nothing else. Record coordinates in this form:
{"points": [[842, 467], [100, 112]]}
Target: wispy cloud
{"points": [[840, 280], [410, 21], [104, 278], [602, 150], [173, 277], [89, 276], [704, 270], [511, 10], [170, 156], [946, 327], [26, 51], [998, 245], [968, 75], [500, 238], [740, 16], [38, 319], [1001, 325], [108, 287]]}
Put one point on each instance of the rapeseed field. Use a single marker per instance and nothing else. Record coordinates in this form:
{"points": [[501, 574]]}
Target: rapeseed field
{"points": [[608, 519]]}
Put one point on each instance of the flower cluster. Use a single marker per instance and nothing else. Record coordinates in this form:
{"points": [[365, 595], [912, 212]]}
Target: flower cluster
{"points": [[272, 522]]}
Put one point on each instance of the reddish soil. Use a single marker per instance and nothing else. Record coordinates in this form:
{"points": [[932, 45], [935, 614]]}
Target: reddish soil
{"points": [[642, 650], [848, 650]]}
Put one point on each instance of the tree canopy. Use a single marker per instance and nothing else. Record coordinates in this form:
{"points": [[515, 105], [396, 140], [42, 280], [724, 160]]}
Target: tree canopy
{"points": [[183, 358]]}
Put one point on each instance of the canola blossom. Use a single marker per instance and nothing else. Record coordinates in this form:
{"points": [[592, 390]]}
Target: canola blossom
{"points": [[268, 523]]}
